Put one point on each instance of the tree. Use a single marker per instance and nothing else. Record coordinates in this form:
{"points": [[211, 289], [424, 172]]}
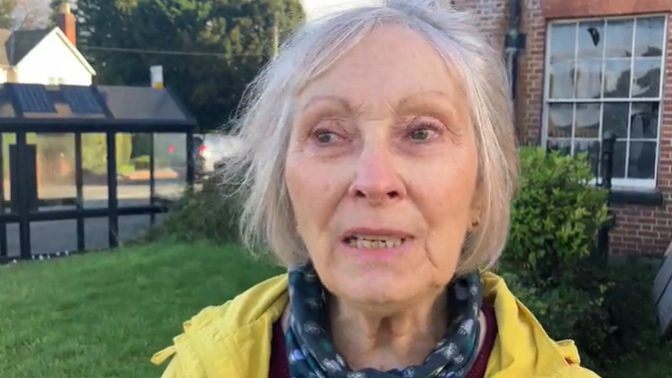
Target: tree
{"points": [[6, 10], [31, 14], [211, 48], [23, 14]]}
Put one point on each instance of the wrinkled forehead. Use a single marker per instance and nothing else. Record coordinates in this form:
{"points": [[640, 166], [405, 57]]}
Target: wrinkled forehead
{"points": [[381, 67]]}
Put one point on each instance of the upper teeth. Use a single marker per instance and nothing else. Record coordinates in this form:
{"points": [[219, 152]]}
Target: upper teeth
{"points": [[374, 242]]}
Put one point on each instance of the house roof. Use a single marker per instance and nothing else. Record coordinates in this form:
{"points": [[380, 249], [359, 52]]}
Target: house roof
{"points": [[69, 108], [140, 103], [20, 43]]}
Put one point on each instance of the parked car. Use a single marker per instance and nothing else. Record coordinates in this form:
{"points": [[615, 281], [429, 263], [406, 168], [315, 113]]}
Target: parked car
{"points": [[210, 151]]}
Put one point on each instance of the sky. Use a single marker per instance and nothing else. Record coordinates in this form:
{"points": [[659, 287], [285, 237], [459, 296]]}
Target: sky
{"points": [[40, 7], [318, 8]]}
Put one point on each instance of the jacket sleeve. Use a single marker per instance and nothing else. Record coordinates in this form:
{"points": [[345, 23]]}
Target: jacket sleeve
{"points": [[178, 366]]}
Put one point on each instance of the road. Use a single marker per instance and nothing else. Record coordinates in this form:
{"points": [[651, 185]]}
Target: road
{"points": [[60, 236]]}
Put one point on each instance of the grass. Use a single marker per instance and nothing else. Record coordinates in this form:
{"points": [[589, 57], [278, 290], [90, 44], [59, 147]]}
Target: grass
{"points": [[656, 364], [103, 315]]}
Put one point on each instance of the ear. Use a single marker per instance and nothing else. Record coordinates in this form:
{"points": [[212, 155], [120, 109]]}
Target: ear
{"points": [[475, 215]]}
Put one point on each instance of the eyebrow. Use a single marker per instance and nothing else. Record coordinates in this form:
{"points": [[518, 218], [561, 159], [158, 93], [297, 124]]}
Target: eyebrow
{"points": [[420, 99], [317, 99], [410, 101]]}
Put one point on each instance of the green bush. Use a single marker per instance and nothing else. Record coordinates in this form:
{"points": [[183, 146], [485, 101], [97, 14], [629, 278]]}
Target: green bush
{"points": [[141, 162], [94, 152], [547, 261], [212, 215], [555, 215]]}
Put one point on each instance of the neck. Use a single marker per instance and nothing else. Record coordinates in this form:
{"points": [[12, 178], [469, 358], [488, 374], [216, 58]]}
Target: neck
{"points": [[386, 337]]}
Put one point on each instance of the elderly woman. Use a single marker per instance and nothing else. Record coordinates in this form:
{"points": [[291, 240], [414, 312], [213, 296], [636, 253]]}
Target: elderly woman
{"points": [[381, 168]]}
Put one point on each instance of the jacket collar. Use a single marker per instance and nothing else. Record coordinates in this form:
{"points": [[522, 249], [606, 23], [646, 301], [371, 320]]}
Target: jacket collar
{"points": [[231, 340]]}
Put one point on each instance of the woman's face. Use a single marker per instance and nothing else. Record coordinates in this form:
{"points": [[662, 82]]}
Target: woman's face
{"points": [[382, 169]]}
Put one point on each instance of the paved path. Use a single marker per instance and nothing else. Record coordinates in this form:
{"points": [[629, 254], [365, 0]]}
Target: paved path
{"points": [[60, 236]]}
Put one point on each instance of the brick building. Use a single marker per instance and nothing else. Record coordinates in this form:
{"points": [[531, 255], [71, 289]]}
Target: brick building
{"points": [[588, 67]]}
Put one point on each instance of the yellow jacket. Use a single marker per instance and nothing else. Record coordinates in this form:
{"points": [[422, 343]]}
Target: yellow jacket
{"points": [[234, 340]]}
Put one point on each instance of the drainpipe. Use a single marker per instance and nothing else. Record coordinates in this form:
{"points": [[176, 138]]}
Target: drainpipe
{"points": [[514, 43]]}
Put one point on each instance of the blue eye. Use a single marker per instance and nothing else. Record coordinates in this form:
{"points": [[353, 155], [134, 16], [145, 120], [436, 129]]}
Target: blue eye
{"points": [[423, 133], [325, 137]]}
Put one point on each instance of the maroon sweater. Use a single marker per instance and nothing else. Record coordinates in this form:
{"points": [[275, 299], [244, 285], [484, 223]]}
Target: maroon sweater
{"points": [[279, 368]]}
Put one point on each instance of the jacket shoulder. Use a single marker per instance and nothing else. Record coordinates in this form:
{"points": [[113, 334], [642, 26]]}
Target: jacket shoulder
{"points": [[243, 319]]}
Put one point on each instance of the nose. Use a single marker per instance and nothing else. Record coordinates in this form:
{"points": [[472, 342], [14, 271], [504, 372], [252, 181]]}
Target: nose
{"points": [[377, 180]]}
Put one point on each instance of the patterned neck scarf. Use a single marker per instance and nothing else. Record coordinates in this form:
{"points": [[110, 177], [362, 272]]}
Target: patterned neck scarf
{"points": [[311, 353]]}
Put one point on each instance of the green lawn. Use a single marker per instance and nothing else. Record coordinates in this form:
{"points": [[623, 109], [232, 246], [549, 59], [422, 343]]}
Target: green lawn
{"points": [[103, 315], [657, 364]]}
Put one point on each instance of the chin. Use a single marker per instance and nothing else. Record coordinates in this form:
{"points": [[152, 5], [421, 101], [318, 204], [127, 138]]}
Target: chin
{"points": [[376, 288]]}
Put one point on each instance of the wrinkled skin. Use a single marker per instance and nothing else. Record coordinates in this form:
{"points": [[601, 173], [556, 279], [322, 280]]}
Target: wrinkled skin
{"points": [[384, 140]]}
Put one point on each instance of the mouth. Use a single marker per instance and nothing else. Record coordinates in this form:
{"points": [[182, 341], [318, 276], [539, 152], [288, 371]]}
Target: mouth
{"points": [[370, 239], [373, 242]]}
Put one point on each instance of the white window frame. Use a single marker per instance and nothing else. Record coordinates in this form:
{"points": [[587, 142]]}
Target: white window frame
{"points": [[56, 81], [625, 183]]}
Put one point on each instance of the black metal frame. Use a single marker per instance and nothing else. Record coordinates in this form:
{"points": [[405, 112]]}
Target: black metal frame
{"points": [[607, 174], [22, 126]]}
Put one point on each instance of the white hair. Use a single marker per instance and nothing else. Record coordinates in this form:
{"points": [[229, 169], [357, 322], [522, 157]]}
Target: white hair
{"points": [[265, 121]]}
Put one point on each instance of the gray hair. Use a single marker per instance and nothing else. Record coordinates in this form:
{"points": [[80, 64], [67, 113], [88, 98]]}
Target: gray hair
{"points": [[265, 121]]}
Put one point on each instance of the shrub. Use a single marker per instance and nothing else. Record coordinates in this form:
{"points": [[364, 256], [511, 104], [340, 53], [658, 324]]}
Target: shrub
{"points": [[546, 263], [555, 215], [94, 152], [212, 215], [141, 162]]}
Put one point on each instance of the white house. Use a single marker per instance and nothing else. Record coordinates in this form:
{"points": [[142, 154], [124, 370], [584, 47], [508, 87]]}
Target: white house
{"points": [[47, 56]]}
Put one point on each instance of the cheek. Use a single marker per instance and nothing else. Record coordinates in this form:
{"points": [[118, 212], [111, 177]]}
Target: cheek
{"points": [[445, 195], [449, 183], [311, 191]]}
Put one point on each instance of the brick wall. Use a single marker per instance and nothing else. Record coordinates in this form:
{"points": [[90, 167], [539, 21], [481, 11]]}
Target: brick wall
{"points": [[641, 229]]}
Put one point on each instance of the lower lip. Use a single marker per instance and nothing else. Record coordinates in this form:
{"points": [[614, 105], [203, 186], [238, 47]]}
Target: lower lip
{"points": [[377, 253]]}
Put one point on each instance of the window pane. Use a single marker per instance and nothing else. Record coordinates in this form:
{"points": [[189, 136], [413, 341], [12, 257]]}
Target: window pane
{"points": [[592, 149], [619, 38], [589, 79], [564, 146], [55, 168], [561, 80], [619, 160], [94, 165], [563, 38], [642, 161], [587, 121], [646, 78], [644, 120], [615, 118], [617, 79], [649, 36], [560, 120], [591, 39]]}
